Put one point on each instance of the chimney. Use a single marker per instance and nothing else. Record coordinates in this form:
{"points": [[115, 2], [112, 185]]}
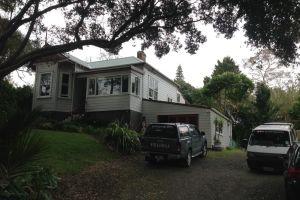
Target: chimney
{"points": [[141, 55]]}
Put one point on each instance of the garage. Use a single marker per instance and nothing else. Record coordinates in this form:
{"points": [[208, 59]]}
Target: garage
{"points": [[185, 118], [201, 116]]}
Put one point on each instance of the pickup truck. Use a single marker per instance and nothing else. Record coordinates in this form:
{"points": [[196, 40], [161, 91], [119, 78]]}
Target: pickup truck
{"points": [[173, 141]]}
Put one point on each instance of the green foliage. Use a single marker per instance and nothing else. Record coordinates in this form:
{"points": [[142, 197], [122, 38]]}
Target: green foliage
{"points": [[295, 113], [35, 186], [187, 90], [122, 139], [179, 74], [283, 100], [226, 65], [265, 109], [237, 86], [20, 154], [69, 153], [13, 99]]}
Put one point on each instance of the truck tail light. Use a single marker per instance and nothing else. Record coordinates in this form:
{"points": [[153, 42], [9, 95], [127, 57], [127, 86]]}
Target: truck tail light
{"points": [[294, 172]]}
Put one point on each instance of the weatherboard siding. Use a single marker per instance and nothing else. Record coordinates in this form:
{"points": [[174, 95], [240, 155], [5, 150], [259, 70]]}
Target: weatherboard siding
{"points": [[45, 103], [64, 104], [107, 103], [165, 89], [226, 135], [152, 109]]}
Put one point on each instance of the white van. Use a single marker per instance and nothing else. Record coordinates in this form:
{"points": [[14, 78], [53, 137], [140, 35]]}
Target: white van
{"points": [[268, 146]]}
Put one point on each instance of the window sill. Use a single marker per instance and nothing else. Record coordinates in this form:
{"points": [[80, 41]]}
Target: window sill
{"points": [[44, 97], [66, 98], [112, 95]]}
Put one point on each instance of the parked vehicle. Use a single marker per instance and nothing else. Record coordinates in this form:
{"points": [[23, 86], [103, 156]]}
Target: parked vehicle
{"points": [[268, 146], [173, 141], [292, 174]]}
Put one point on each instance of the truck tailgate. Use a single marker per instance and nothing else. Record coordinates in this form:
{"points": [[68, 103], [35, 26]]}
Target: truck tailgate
{"points": [[160, 145]]}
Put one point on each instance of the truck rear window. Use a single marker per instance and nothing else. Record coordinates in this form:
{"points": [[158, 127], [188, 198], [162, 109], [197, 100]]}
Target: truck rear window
{"points": [[270, 138], [162, 131]]}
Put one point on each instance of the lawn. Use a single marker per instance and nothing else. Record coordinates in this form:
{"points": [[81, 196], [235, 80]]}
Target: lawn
{"points": [[225, 153], [69, 153]]}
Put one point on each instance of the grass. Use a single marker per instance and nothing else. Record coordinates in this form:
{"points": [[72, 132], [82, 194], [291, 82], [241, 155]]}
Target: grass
{"points": [[69, 153], [225, 153]]}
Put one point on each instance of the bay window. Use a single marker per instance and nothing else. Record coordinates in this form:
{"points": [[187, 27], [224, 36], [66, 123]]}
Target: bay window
{"points": [[135, 85], [45, 85], [104, 86]]}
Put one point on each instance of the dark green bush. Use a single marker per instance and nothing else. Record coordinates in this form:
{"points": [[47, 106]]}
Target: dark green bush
{"points": [[21, 153], [122, 139]]}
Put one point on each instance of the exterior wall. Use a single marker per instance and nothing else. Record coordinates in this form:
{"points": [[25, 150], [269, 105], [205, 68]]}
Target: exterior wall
{"points": [[226, 135], [125, 101], [151, 109], [129, 117], [165, 89], [64, 104], [45, 103], [54, 102]]}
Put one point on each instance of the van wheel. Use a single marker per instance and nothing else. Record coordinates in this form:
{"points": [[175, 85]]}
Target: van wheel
{"points": [[204, 151], [188, 159]]}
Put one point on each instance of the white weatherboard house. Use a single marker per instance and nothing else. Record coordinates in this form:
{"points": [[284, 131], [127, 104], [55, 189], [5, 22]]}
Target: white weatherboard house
{"points": [[125, 89]]}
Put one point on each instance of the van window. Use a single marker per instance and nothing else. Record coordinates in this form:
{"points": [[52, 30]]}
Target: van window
{"points": [[270, 138], [161, 131]]}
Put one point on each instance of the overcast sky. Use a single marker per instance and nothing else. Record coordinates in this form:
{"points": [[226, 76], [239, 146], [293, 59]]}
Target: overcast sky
{"points": [[195, 67]]}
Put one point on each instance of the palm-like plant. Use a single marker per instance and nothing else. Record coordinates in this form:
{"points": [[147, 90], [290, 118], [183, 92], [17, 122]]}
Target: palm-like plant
{"points": [[20, 153]]}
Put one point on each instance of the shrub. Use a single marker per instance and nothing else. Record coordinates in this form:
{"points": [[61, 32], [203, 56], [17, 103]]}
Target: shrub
{"points": [[122, 139], [20, 155]]}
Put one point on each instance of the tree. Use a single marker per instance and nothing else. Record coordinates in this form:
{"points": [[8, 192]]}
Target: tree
{"points": [[265, 109], [158, 23], [265, 68], [226, 65], [179, 74], [187, 90], [295, 113]]}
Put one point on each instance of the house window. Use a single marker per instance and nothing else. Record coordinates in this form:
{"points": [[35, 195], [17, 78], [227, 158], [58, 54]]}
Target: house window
{"points": [[153, 88], [178, 97], [92, 86], [64, 91], [112, 85], [45, 85], [124, 83], [135, 85], [169, 99]]}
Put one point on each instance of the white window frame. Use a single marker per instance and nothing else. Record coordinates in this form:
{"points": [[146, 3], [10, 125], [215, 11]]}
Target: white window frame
{"points": [[60, 85], [107, 77], [88, 86], [154, 88], [39, 85], [137, 92]]}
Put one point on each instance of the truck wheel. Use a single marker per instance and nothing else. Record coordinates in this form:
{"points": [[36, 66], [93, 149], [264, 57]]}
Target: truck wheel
{"points": [[151, 159], [204, 151], [188, 159]]}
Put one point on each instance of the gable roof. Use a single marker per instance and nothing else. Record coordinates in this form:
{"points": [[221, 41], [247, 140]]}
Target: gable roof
{"points": [[115, 62]]}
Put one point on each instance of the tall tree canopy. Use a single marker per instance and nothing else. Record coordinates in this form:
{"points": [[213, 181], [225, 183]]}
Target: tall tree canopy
{"points": [[179, 74], [158, 23], [226, 65]]}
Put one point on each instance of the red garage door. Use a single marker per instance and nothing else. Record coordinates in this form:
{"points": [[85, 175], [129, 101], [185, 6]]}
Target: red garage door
{"points": [[188, 119]]}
